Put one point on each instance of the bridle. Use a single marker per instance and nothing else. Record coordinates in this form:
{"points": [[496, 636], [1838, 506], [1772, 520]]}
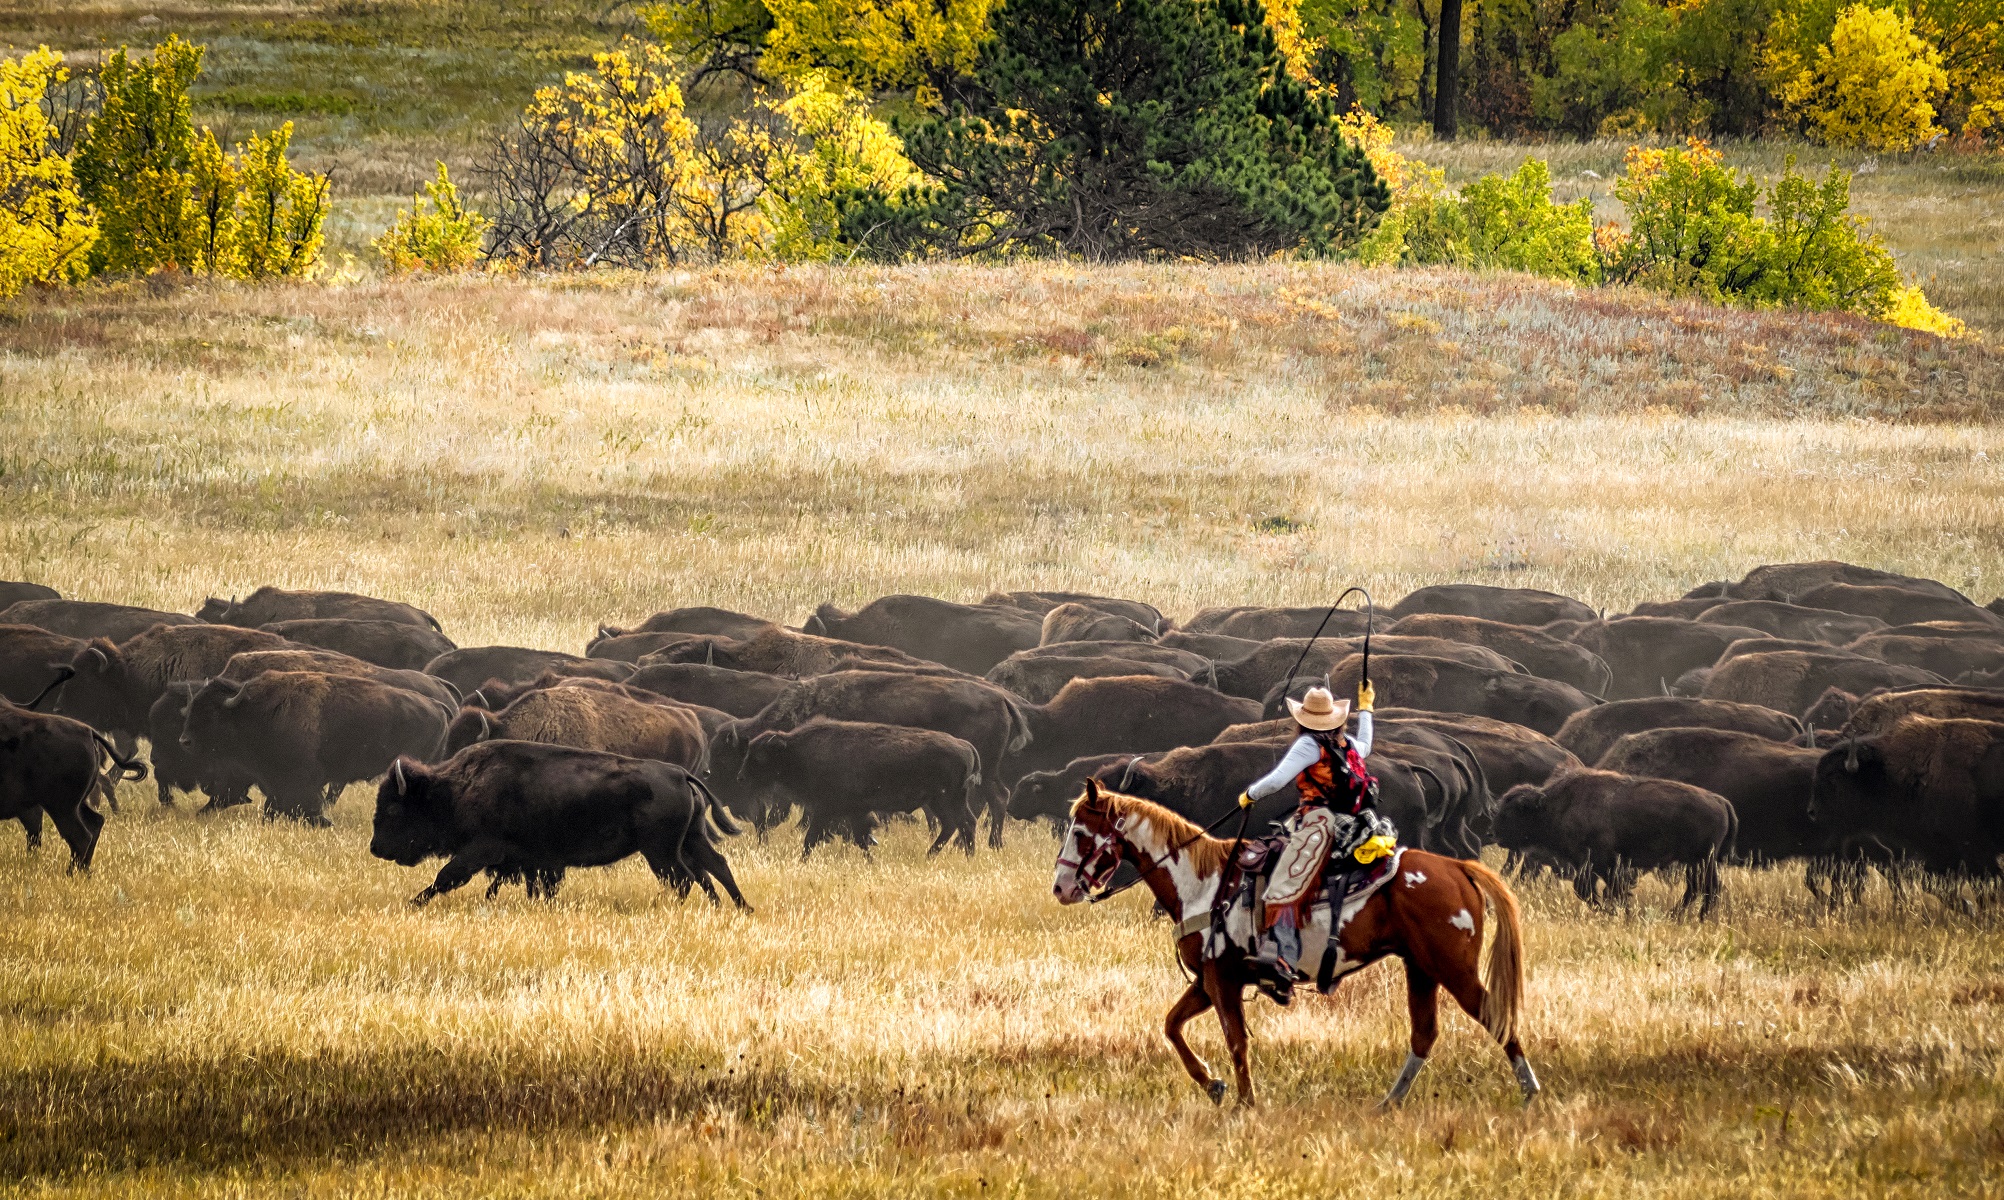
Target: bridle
{"points": [[1092, 872]]}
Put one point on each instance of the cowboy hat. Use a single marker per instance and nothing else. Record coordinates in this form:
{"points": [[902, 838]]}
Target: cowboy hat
{"points": [[1318, 710]]}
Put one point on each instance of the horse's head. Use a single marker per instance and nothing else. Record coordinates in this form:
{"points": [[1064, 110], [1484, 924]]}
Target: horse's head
{"points": [[1091, 849]]}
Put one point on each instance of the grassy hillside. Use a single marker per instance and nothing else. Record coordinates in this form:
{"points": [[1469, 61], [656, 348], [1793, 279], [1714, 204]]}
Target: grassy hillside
{"points": [[379, 89]]}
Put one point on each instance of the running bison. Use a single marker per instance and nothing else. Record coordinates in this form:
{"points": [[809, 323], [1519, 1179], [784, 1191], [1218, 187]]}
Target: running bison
{"points": [[527, 810], [269, 604], [843, 773], [1606, 827], [49, 764]]}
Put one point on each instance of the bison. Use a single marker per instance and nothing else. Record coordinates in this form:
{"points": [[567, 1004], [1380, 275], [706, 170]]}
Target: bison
{"points": [[179, 768], [50, 764], [966, 637], [303, 735], [843, 773], [1265, 624], [1876, 714], [1440, 685], [589, 719], [1512, 606], [1589, 734], [252, 663], [719, 622], [1787, 581], [1606, 826], [1074, 622], [1791, 680], [1536, 651], [13, 592], [1039, 603], [1648, 654], [397, 645], [1039, 679], [32, 661], [739, 693], [1777, 619], [779, 651], [87, 619], [1927, 788], [1131, 713], [269, 604], [1894, 605], [114, 686], [1258, 673], [1768, 783], [525, 809], [620, 646], [468, 668], [1948, 657]]}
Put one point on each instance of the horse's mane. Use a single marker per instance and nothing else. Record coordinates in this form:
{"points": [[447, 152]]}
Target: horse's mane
{"points": [[1205, 852]]}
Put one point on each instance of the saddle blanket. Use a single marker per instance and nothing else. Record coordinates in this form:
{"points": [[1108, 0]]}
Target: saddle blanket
{"points": [[1342, 897]]}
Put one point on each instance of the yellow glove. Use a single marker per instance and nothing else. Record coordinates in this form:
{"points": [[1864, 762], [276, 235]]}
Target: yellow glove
{"points": [[1367, 696], [1375, 849], [1245, 800]]}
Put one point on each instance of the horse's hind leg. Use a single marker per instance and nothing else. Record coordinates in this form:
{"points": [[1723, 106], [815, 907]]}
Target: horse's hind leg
{"points": [[1423, 1006], [1190, 1004]]}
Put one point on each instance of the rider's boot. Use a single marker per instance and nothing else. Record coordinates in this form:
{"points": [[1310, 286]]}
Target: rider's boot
{"points": [[1271, 974]]}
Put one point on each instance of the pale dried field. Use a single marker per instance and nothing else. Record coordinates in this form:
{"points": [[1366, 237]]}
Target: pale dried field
{"points": [[228, 1008]]}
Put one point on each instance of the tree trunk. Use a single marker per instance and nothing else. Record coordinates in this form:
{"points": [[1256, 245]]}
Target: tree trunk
{"points": [[1447, 78]]}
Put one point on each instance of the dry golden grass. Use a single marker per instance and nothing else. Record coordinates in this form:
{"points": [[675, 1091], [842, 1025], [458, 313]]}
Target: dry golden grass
{"points": [[226, 1008]]}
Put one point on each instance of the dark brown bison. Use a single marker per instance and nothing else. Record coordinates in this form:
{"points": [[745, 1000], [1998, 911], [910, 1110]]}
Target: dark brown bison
{"points": [[1076, 622], [976, 712], [87, 619], [1048, 795], [779, 651], [1264, 624], [269, 604], [1924, 788], [13, 592], [32, 660], [1777, 619], [50, 764], [1039, 679], [523, 809], [843, 774], [632, 647], [177, 767], [1039, 603], [397, 645], [1142, 652], [589, 719], [1791, 680], [1536, 651], [114, 686], [253, 663], [1605, 826], [1509, 753], [966, 637], [1686, 609], [1131, 713], [1874, 715], [1768, 783], [1648, 654], [1260, 672], [1894, 605], [740, 693], [302, 736], [1948, 657], [1418, 681], [468, 668], [1514, 606], [1591, 733], [1217, 647], [1788, 581], [720, 622]]}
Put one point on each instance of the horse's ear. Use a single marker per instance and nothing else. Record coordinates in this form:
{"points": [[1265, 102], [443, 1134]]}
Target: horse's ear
{"points": [[1092, 792]]}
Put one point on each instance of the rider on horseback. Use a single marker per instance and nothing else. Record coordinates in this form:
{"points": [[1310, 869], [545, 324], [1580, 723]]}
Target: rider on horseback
{"points": [[1337, 792]]}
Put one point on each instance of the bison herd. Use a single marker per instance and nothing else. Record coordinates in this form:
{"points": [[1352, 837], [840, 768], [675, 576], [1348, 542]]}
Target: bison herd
{"points": [[1821, 713]]}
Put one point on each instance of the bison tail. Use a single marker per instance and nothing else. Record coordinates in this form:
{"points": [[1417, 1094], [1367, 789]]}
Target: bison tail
{"points": [[122, 768], [974, 772], [1019, 726], [717, 820], [1503, 971]]}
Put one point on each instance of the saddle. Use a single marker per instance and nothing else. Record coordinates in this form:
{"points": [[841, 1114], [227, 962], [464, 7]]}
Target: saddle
{"points": [[1338, 891]]}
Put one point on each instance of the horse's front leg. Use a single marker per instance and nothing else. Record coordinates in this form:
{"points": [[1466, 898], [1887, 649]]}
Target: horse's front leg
{"points": [[1229, 996], [1190, 1004]]}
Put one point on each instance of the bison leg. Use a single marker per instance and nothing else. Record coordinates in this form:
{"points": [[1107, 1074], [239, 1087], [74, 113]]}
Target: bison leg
{"points": [[998, 814], [31, 824], [459, 872], [943, 832], [79, 825], [710, 863]]}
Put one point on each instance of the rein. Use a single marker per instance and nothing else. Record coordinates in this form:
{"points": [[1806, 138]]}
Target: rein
{"points": [[1110, 893]]}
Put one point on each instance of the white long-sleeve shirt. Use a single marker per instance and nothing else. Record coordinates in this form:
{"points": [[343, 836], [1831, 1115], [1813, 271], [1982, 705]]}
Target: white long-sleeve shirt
{"points": [[1302, 755]]}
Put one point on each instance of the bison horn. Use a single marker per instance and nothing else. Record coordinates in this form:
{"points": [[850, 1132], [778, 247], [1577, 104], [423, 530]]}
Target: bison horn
{"points": [[604, 632], [709, 654], [478, 697], [103, 660], [1851, 755], [398, 771], [1127, 776], [486, 726]]}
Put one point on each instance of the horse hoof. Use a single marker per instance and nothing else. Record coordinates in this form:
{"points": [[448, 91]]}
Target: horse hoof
{"points": [[1216, 1091]]}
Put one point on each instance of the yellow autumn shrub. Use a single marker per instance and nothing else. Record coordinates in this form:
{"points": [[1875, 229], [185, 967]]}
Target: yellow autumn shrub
{"points": [[1874, 84], [45, 232]]}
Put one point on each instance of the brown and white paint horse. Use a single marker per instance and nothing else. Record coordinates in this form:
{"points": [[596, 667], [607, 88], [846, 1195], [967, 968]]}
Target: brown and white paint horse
{"points": [[1430, 917]]}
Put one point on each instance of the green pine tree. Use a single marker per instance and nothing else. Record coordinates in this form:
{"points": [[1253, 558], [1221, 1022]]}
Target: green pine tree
{"points": [[1127, 128]]}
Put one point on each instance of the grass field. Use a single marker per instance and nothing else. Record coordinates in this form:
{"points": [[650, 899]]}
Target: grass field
{"points": [[227, 1008]]}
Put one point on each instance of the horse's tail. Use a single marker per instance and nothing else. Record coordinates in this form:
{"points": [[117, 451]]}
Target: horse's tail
{"points": [[1503, 972]]}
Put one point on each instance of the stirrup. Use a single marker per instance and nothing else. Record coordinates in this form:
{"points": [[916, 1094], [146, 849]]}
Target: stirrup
{"points": [[1276, 982]]}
